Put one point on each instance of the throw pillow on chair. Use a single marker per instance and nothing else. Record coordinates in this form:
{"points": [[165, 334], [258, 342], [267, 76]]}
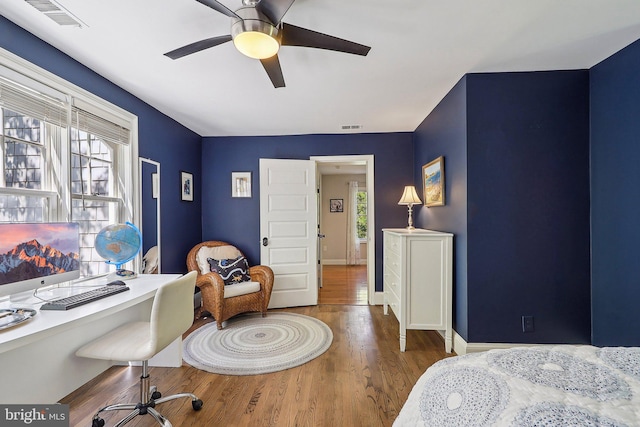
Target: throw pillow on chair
{"points": [[231, 270]]}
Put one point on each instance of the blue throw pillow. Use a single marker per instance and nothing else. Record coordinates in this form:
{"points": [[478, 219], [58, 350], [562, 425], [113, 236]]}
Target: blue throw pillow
{"points": [[231, 270]]}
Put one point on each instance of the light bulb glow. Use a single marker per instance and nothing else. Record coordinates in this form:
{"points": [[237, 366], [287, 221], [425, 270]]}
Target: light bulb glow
{"points": [[255, 44]]}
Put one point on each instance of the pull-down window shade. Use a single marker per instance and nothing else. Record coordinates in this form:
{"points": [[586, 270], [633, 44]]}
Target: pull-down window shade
{"points": [[33, 104], [101, 128]]}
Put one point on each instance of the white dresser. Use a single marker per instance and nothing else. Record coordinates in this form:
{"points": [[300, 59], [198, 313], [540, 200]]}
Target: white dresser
{"points": [[418, 280]]}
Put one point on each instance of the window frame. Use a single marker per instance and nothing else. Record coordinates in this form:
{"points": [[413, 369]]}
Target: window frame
{"points": [[125, 168], [50, 197], [364, 239]]}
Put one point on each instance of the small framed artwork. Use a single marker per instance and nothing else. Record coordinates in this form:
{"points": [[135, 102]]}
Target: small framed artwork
{"points": [[336, 205], [240, 184], [433, 182], [186, 186]]}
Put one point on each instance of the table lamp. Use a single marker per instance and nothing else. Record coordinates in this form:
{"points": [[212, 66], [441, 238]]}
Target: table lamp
{"points": [[410, 198]]}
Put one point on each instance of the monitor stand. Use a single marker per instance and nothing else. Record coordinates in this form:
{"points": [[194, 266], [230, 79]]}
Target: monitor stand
{"points": [[32, 299], [24, 299]]}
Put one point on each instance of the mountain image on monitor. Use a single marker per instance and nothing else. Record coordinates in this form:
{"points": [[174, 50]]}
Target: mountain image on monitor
{"points": [[30, 259]]}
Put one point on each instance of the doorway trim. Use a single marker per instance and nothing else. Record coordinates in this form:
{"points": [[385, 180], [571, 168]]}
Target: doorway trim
{"points": [[367, 161], [156, 195]]}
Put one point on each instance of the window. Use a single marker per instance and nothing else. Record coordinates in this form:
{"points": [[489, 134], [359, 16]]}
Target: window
{"points": [[62, 155], [23, 147], [361, 212], [24, 150], [92, 189]]}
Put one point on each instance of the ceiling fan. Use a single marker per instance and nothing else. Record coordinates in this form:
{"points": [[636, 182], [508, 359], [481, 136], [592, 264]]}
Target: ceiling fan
{"points": [[258, 32]]}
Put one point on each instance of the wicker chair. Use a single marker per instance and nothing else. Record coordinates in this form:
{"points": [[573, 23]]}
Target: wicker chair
{"points": [[212, 286]]}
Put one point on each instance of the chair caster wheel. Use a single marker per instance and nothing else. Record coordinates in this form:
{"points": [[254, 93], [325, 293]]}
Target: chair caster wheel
{"points": [[156, 395], [196, 404], [97, 422]]}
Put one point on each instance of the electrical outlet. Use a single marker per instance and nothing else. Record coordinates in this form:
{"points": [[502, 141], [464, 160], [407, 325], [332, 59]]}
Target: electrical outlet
{"points": [[527, 324]]}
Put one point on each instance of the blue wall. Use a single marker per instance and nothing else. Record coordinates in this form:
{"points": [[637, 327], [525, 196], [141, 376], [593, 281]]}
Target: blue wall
{"points": [[160, 138], [528, 195], [615, 200], [516, 148], [237, 220], [444, 133]]}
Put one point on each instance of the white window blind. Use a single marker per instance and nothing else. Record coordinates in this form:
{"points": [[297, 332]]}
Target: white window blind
{"points": [[33, 104], [101, 128]]}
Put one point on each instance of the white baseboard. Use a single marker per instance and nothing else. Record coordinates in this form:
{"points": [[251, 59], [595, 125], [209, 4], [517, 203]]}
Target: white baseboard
{"points": [[341, 262], [461, 347], [378, 298]]}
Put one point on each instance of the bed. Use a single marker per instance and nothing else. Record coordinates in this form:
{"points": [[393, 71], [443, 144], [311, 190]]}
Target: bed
{"points": [[529, 386]]}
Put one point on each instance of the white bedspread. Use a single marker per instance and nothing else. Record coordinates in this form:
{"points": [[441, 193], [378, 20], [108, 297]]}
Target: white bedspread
{"points": [[529, 386]]}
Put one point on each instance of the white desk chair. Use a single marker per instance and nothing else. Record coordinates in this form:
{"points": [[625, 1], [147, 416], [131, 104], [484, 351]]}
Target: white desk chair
{"points": [[171, 316]]}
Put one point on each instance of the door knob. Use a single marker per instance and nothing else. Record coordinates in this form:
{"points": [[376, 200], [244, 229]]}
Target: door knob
{"points": [[321, 235], [265, 241]]}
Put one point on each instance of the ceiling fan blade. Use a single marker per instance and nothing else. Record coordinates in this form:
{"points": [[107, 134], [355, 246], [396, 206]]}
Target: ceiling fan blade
{"points": [[213, 4], [197, 46], [274, 9], [272, 67], [297, 36]]}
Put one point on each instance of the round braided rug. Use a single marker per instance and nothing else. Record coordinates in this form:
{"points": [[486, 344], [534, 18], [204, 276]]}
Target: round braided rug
{"points": [[252, 344]]}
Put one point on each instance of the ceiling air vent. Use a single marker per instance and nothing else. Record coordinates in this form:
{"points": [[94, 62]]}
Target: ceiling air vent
{"points": [[56, 12]]}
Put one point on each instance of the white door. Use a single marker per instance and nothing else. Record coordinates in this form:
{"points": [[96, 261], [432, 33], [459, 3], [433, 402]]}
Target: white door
{"points": [[288, 230]]}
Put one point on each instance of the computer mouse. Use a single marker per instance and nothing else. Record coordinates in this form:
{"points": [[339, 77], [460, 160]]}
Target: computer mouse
{"points": [[116, 283]]}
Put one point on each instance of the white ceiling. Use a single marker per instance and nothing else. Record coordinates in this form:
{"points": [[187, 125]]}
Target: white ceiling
{"points": [[419, 50], [341, 168]]}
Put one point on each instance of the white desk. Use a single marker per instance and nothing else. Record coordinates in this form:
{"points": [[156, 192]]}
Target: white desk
{"points": [[37, 358]]}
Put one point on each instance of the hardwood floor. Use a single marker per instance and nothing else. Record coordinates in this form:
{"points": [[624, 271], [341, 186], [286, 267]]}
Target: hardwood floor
{"points": [[361, 380], [344, 284]]}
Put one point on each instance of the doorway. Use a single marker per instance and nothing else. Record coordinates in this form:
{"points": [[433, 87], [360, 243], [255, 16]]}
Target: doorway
{"points": [[290, 229], [344, 285], [346, 266]]}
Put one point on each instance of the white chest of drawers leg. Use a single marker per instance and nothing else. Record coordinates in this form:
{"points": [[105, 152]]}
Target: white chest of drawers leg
{"points": [[418, 280]]}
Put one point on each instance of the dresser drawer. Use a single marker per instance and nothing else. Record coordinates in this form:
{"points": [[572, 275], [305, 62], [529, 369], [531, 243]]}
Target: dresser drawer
{"points": [[392, 262], [392, 283], [394, 303], [392, 242]]}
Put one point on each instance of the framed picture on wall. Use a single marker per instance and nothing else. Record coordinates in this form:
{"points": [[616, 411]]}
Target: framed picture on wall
{"points": [[433, 182], [186, 186], [336, 205], [240, 184]]}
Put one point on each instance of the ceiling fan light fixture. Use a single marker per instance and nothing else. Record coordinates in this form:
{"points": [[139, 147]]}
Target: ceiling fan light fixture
{"points": [[253, 34], [256, 44]]}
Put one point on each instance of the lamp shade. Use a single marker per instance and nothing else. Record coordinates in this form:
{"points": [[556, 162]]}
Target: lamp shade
{"points": [[410, 196]]}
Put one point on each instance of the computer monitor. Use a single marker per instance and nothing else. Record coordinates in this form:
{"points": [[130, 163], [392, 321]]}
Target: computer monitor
{"points": [[34, 255]]}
